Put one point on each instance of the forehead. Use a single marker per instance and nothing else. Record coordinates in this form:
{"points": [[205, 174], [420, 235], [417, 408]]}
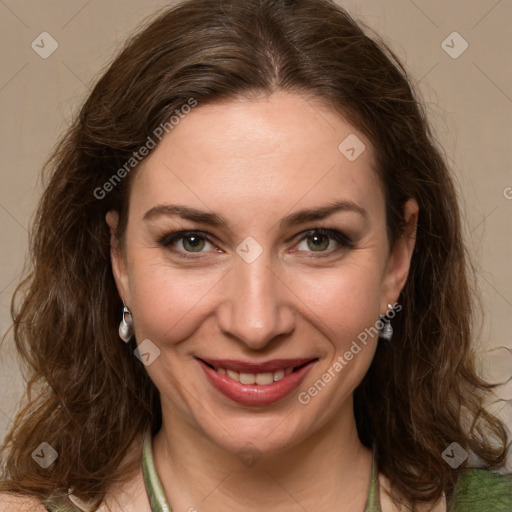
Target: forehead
{"points": [[246, 154]]}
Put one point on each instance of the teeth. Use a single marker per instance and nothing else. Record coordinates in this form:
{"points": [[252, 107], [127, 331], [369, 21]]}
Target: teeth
{"points": [[278, 375], [261, 379], [264, 378], [248, 378], [233, 375]]}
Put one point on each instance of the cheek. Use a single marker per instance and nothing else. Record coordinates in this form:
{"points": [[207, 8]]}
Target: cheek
{"points": [[167, 302], [344, 306], [345, 300]]}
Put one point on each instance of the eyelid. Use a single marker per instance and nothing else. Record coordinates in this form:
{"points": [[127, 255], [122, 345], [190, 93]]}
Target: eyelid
{"points": [[333, 233], [338, 236], [167, 240]]}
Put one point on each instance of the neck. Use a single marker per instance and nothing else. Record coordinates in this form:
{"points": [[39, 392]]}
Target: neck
{"points": [[329, 470]]}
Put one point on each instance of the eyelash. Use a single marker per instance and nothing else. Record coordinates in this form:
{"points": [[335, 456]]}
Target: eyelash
{"points": [[343, 240]]}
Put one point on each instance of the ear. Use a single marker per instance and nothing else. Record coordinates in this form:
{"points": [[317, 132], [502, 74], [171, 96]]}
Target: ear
{"points": [[399, 260], [117, 259]]}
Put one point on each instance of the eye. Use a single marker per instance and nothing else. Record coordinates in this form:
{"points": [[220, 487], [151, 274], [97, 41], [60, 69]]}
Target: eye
{"points": [[191, 241], [319, 240]]}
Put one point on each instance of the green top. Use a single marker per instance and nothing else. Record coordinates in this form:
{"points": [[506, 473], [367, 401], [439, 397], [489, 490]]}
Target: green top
{"points": [[476, 491]]}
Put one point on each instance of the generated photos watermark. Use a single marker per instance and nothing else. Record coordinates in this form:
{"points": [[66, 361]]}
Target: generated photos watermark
{"points": [[137, 156], [304, 397]]}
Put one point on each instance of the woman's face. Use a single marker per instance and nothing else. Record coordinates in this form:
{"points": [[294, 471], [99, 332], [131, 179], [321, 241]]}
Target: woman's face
{"points": [[252, 281]]}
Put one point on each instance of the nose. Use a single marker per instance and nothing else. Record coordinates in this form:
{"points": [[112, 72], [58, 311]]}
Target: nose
{"points": [[258, 305]]}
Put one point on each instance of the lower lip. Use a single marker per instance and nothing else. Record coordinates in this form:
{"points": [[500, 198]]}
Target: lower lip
{"points": [[254, 394]]}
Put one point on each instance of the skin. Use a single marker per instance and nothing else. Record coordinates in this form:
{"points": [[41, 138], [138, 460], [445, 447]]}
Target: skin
{"points": [[254, 162]]}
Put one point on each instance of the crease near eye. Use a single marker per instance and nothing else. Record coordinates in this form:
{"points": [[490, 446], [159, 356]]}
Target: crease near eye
{"points": [[195, 239]]}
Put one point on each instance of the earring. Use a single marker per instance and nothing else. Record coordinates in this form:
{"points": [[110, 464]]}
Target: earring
{"points": [[126, 325], [387, 330]]}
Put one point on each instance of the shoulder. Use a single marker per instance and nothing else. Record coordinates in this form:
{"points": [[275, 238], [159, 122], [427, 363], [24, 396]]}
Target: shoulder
{"points": [[11, 503], [479, 488]]}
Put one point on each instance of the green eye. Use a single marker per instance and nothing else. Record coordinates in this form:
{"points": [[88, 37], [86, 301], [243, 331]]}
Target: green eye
{"points": [[318, 240], [196, 243]]}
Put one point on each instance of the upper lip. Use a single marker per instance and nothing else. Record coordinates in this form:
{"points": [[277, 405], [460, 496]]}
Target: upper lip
{"points": [[250, 367]]}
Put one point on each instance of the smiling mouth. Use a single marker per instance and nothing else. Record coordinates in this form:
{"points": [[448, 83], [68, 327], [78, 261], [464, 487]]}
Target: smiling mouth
{"points": [[261, 378]]}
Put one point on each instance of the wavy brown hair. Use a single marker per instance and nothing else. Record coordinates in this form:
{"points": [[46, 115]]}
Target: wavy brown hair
{"points": [[91, 399]]}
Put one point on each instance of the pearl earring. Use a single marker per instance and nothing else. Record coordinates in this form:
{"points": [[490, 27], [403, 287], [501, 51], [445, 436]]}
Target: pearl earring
{"points": [[386, 332], [126, 325]]}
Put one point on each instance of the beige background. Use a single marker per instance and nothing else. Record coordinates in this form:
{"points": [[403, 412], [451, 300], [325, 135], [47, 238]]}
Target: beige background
{"points": [[469, 100]]}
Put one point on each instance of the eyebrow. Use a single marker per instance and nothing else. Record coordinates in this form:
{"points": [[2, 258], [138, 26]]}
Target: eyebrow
{"points": [[216, 220]]}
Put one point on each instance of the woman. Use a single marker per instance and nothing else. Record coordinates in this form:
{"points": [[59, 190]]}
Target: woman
{"points": [[252, 200]]}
